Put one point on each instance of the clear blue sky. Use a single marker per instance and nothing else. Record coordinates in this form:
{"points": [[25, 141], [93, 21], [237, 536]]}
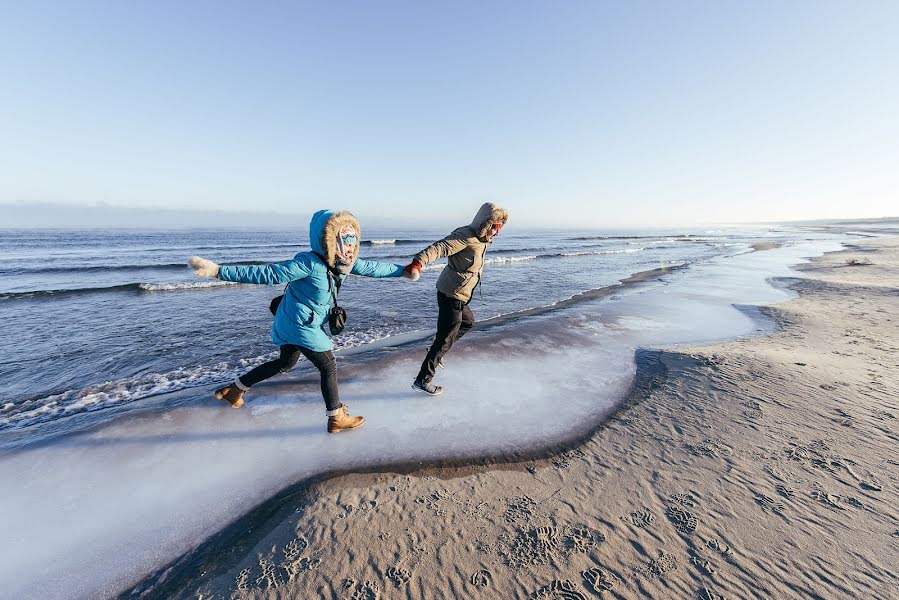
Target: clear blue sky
{"points": [[581, 113]]}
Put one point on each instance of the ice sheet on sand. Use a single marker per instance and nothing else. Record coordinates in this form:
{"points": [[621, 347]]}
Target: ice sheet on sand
{"points": [[89, 514]]}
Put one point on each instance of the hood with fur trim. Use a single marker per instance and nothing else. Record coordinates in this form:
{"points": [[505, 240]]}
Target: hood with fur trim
{"points": [[488, 214], [323, 230]]}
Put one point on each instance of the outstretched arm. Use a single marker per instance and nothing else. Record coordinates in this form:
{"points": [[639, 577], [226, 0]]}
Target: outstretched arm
{"points": [[271, 274], [446, 247], [374, 268]]}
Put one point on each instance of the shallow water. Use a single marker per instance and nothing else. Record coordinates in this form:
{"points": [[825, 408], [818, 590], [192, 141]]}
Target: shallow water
{"points": [[94, 321]]}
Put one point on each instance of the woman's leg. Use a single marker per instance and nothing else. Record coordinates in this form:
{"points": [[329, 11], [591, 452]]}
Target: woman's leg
{"points": [[289, 356], [327, 366], [234, 392], [338, 418]]}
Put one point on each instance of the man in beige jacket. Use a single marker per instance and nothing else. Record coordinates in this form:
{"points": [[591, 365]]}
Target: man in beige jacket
{"points": [[464, 249]]}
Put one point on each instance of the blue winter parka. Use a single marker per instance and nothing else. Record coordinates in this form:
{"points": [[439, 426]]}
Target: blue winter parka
{"points": [[307, 299]]}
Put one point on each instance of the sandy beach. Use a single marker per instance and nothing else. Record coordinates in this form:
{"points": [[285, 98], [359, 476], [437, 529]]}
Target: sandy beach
{"points": [[765, 467]]}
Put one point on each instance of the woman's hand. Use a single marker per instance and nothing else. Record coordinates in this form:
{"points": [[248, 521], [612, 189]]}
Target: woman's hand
{"points": [[412, 270], [203, 267]]}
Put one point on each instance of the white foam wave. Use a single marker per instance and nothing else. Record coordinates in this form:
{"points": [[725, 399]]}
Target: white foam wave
{"points": [[499, 260], [380, 242], [602, 252], [123, 391], [176, 287]]}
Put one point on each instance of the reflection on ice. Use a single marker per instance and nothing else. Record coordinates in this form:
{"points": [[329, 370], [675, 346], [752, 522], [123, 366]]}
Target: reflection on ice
{"points": [[88, 514]]}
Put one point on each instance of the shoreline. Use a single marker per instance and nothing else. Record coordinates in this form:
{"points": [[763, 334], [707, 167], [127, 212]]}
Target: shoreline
{"points": [[19, 438], [229, 548]]}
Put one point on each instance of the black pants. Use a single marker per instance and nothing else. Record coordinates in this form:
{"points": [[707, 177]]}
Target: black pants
{"points": [[290, 354], [454, 320]]}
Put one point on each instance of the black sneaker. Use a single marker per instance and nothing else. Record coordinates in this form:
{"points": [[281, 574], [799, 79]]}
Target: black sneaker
{"points": [[427, 388]]}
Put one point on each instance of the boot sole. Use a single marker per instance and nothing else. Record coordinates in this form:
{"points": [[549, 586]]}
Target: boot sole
{"points": [[418, 389], [339, 429]]}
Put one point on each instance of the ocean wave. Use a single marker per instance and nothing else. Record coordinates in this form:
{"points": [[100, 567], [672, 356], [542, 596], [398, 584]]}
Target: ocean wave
{"points": [[508, 259], [16, 415], [179, 266], [126, 287], [176, 287], [392, 242], [91, 268], [602, 252]]}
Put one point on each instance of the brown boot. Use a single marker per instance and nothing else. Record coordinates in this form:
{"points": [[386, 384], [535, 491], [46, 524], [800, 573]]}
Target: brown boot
{"points": [[231, 393], [343, 421]]}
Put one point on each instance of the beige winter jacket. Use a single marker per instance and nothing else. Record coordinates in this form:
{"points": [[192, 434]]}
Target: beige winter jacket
{"points": [[464, 249]]}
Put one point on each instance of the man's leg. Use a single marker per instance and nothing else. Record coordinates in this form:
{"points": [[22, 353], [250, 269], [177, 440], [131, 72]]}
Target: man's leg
{"points": [[449, 322], [467, 322]]}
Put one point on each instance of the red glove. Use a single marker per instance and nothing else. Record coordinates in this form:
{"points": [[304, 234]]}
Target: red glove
{"points": [[412, 270]]}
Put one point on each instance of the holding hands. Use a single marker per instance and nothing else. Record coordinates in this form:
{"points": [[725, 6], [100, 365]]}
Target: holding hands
{"points": [[203, 267], [412, 270]]}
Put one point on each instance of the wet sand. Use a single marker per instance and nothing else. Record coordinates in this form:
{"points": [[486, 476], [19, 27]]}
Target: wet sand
{"points": [[762, 467]]}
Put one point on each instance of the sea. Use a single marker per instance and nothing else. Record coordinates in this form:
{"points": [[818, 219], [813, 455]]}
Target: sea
{"points": [[96, 320]]}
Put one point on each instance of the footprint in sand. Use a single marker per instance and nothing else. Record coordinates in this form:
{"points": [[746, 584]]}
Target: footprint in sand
{"points": [[658, 566], [703, 564], [707, 447], [295, 548], [707, 594], [719, 546], [398, 575], [559, 590], [687, 500], [367, 590], [582, 539], [641, 518], [786, 492], [684, 521], [242, 582], [770, 505], [268, 578], [520, 509], [564, 460], [481, 578], [598, 581]]}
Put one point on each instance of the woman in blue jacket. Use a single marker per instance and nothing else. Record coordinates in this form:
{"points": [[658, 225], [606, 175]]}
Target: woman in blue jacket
{"points": [[334, 237]]}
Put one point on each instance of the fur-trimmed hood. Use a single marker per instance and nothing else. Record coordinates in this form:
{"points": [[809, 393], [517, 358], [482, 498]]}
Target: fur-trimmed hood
{"points": [[488, 214], [323, 230]]}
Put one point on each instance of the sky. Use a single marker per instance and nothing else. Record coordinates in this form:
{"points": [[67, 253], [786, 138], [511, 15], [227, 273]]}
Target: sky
{"points": [[566, 113]]}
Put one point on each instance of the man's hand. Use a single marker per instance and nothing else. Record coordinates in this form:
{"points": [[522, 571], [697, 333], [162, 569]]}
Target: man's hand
{"points": [[412, 270], [203, 267]]}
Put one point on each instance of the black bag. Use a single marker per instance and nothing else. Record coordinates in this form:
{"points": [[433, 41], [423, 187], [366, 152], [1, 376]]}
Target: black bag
{"points": [[275, 303], [336, 316]]}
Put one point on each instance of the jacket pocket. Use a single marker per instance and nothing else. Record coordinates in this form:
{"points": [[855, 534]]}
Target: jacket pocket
{"points": [[304, 315]]}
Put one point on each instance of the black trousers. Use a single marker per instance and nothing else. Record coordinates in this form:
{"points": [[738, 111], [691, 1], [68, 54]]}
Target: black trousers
{"points": [[454, 320], [290, 354]]}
